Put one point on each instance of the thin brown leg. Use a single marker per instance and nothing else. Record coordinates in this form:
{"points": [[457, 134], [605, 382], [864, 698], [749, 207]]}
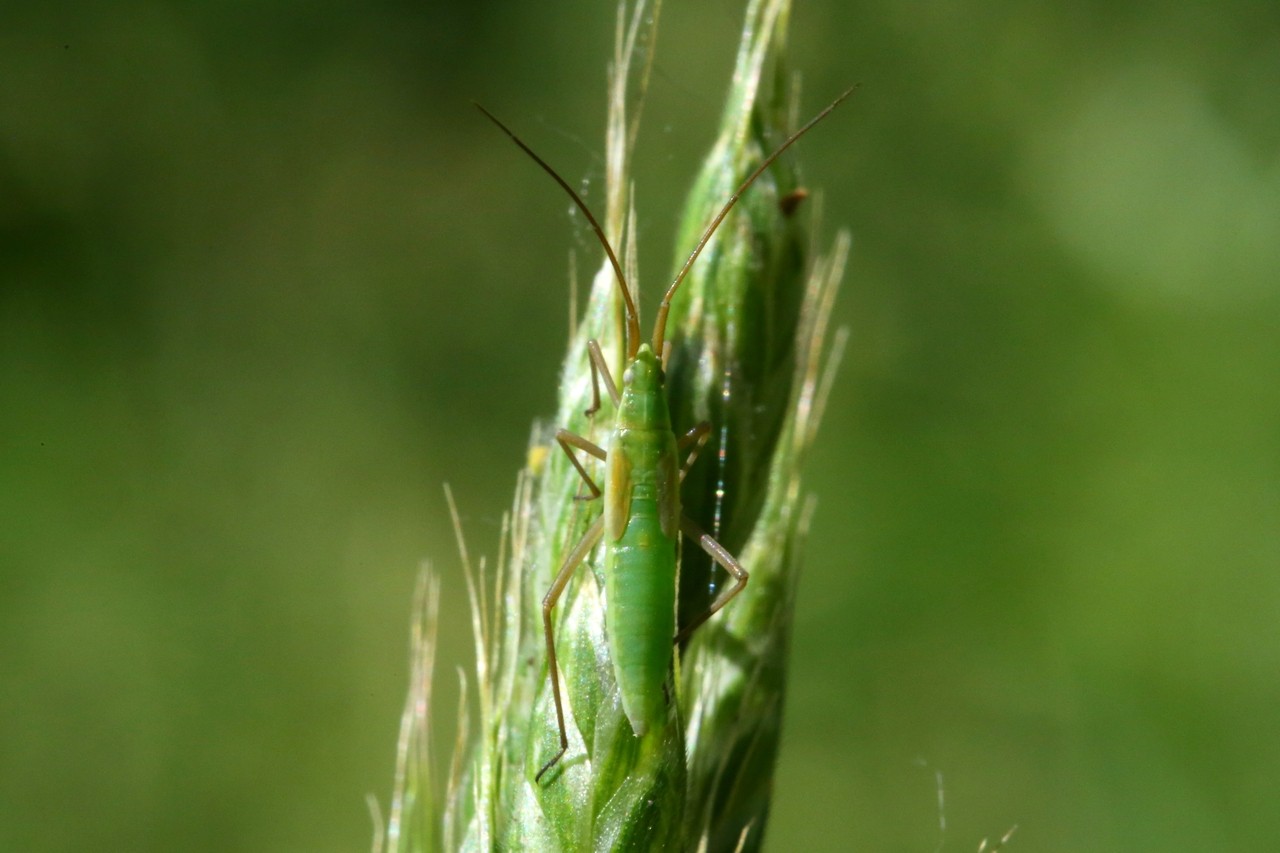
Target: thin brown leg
{"points": [[568, 441], [599, 371], [575, 558], [698, 438], [725, 559]]}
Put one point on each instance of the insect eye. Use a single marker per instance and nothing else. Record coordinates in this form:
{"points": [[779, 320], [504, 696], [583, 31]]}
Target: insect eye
{"points": [[627, 376]]}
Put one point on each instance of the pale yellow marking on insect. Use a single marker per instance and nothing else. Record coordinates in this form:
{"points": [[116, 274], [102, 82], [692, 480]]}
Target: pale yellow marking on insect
{"points": [[617, 505], [668, 495]]}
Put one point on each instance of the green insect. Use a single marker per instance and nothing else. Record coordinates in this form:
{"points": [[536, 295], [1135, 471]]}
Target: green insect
{"points": [[642, 519]]}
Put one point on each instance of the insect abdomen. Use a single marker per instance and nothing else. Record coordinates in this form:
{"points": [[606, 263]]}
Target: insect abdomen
{"points": [[640, 613], [642, 511]]}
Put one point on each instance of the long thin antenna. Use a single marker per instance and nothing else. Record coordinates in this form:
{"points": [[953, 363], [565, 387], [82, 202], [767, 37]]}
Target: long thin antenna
{"points": [[660, 323], [633, 321]]}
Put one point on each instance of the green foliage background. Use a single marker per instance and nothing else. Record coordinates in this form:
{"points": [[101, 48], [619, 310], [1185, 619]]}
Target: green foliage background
{"points": [[267, 280]]}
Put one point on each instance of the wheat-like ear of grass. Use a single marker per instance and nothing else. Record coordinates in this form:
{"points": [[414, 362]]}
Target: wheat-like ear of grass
{"points": [[748, 336]]}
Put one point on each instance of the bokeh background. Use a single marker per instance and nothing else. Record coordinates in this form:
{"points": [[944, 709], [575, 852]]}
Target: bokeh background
{"points": [[267, 281]]}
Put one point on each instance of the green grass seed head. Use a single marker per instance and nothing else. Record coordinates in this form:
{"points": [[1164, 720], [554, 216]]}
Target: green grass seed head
{"points": [[746, 333]]}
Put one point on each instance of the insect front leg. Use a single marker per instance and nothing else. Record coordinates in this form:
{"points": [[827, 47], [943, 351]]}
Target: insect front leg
{"points": [[568, 441], [698, 438], [571, 562], [599, 370], [725, 559]]}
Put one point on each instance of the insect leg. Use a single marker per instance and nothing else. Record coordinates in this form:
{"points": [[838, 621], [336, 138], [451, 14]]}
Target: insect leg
{"points": [[725, 559], [568, 441], [698, 438], [571, 562], [599, 370]]}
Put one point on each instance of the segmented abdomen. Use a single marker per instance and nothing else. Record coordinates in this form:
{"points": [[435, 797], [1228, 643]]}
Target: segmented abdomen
{"points": [[640, 613]]}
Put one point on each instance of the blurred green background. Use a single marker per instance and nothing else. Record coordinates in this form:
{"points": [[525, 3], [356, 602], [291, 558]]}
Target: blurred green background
{"points": [[268, 280]]}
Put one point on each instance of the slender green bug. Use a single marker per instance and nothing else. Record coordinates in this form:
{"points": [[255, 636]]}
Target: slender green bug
{"points": [[642, 519]]}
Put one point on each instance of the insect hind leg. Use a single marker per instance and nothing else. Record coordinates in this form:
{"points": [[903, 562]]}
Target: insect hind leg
{"points": [[571, 563]]}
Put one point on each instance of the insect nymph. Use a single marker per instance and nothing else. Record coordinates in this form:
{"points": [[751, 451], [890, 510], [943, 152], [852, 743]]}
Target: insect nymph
{"points": [[642, 519]]}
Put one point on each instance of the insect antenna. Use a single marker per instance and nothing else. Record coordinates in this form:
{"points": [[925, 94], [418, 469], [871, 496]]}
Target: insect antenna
{"points": [[660, 322], [633, 321]]}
